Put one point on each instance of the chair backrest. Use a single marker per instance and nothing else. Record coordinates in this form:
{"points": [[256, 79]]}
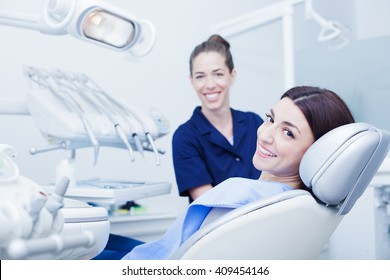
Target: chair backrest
{"points": [[340, 165], [296, 224]]}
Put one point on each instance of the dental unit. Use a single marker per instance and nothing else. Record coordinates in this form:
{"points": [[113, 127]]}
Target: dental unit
{"points": [[36, 224], [73, 113], [57, 221]]}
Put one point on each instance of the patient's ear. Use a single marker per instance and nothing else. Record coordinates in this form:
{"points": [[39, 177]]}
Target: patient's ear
{"points": [[339, 166], [233, 76]]}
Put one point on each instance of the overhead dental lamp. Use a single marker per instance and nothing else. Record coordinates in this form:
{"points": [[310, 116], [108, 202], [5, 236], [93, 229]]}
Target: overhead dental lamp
{"points": [[331, 31], [93, 21]]}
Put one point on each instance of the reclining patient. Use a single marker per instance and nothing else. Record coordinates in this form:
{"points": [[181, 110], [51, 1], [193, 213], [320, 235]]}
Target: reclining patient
{"points": [[302, 115]]}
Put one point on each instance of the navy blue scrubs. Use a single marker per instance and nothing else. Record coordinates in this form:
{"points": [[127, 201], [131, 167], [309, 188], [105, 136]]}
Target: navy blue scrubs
{"points": [[202, 155]]}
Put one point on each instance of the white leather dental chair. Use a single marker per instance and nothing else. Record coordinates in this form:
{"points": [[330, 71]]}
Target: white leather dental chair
{"points": [[296, 224]]}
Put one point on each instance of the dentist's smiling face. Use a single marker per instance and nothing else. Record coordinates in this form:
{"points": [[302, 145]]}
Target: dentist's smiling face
{"points": [[211, 80], [282, 140]]}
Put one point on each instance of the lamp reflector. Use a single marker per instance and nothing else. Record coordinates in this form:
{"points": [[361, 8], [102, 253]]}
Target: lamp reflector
{"points": [[105, 27]]}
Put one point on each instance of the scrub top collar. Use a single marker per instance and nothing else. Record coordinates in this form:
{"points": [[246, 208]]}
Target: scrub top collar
{"points": [[205, 127]]}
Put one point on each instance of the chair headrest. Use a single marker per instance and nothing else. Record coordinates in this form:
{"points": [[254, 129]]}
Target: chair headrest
{"points": [[339, 166]]}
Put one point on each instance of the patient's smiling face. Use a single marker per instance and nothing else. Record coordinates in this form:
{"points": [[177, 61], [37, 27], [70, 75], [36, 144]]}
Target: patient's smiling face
{"points": [[282, 140]]}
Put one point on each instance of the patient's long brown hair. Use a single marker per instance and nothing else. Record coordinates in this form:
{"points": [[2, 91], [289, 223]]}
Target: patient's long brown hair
{"points": [[323, 109]]}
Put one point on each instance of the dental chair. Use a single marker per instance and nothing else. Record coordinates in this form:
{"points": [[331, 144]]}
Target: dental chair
{"points": [[296, 224]]}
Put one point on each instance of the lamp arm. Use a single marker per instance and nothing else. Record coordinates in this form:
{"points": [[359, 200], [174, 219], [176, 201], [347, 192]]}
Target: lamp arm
{"points": [[64, 11], [19, 20], [44, 23], [33, 22]]}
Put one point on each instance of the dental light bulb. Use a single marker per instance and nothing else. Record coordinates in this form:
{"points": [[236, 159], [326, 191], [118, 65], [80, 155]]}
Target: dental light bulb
{"points": [[102, 26]]}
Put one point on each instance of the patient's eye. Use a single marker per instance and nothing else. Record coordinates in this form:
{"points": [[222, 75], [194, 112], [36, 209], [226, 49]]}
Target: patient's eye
{"points": [[269, 118], [289, 133]]}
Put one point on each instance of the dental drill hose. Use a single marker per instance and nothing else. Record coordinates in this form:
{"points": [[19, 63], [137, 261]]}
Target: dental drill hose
{"points": [[155, 151], [122, 136]]}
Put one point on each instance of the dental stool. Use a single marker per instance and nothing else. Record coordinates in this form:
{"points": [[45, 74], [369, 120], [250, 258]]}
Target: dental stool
{"points": [[296, 224]]}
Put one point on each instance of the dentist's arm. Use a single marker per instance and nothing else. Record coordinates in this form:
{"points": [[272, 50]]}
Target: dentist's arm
{"points": [[198, 191]]}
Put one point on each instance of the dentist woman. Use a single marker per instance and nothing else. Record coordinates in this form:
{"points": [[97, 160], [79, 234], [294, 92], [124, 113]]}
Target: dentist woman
{"points": [[217, 142]]}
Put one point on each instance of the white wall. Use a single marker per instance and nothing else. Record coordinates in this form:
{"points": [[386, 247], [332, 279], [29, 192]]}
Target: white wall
{"points": [[372, 19], [359, 72]]}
